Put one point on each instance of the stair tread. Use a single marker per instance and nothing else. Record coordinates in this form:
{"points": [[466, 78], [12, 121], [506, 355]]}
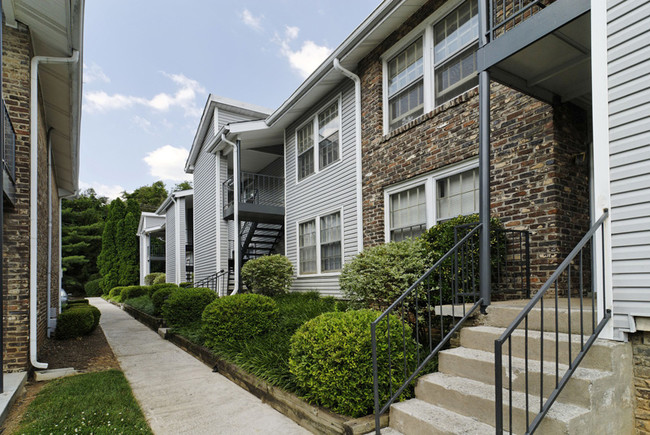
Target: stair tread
{"points": [[534, 366], [535, 334], [470, 388], [443, 420]]}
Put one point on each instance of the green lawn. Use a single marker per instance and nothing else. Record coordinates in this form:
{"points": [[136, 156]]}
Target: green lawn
{"points": [[97, 403]]}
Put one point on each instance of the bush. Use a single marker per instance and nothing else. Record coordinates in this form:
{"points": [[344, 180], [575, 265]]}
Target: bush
{"points": [[155, 287], [132, 291], [74, 302], [149, 279], [379, 275], [159, 279], [159, 297], [75, 323], [236, 318], [116, 294], [185, 305], [186, 284], [93, 288], [142, 303], [269, 275], [331, 358]]}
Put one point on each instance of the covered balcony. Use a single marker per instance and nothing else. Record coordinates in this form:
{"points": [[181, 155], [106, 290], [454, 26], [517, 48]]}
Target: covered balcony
{"points": [[261, 198]]}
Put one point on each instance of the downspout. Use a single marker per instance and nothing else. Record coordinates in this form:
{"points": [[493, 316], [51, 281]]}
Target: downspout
{"points": [[50, 323], [61, 198], [236, 193], [33, 205], [357, 117]]}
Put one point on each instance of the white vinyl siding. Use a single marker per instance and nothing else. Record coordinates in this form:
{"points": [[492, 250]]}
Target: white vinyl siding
{"points": [[324, 192], [205, 217], [629, 140], [170, 244]]}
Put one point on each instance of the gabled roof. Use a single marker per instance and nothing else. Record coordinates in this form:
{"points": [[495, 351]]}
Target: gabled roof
{"points": [[215, 102], [170, 199], [150, 222], [56, 28]]}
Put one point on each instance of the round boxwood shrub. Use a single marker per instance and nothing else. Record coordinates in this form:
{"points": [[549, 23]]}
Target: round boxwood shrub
{"points": [[238, 317], [94, 310], [159, 279], [155, 287], [379, 275], [149, 279], [74, 323], [159, 297], [268, 275], [116, 294], [132, 291], [331, 359], [184, 306], [74, 302], [93, 288]]}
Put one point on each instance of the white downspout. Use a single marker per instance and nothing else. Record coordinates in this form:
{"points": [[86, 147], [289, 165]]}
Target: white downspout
{"points": [[50, 323], [236, 195], [33, 202], [178, 203], [357, 121]]}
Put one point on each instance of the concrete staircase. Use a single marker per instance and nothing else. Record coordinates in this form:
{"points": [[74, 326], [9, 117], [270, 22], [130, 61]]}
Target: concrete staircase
{"points": [[459, 398]]}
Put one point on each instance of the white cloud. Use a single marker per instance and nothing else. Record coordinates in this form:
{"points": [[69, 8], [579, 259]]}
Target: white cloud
{"points": [[109, 191], [94, 73], [306, 59], [167, 163], [143, 123], [184, 98], [251, 20]]}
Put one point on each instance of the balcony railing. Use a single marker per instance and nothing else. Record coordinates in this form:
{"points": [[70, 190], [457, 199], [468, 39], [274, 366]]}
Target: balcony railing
{"points": [[157, 251], [255, 189], [506, 14], [8, 157]]}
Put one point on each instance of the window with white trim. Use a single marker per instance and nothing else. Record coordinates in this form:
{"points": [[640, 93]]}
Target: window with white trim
{"points": [[408, 213], [437, 63], [457, 195], [320, 245], [323, 147]]}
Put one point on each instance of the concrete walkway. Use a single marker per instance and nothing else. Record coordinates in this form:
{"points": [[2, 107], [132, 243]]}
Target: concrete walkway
{"points": [[179, 394]]}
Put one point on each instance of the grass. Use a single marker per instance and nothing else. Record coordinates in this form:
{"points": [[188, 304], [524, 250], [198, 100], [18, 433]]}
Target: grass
{"points": [[142, 303], [97, 403]]}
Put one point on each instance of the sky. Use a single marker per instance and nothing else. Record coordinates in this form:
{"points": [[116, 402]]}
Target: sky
{"points": [[149, 66]]}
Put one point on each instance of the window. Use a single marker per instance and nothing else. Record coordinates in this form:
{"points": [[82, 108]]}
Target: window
{"points": [[408, 214], [307, 247], [327, 124], [457, 195], [320, 245], [305, 145], [418, 204], [406, 85], [436, 67]]}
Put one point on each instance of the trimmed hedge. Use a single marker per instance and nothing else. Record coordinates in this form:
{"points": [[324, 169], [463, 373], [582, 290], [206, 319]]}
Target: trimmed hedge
{"points": [[236, 318], [159, 279], [268, 275], [155, 287], [142, 303], [184, 306], [116, 294], [159, 297], [77, 321], [132, 291], [331, 359], [74, 302], [149, 279], [93, 288]]}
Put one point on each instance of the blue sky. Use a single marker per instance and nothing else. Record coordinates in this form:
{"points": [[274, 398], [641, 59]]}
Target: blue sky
{"points": [[149, 66]]}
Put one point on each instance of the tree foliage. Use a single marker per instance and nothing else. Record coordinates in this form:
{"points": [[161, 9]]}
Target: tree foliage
{"points": [[149, 198], [183, 185]]}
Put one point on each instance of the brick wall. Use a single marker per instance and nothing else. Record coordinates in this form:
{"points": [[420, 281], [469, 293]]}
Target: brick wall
{"points": [[535, 184]]}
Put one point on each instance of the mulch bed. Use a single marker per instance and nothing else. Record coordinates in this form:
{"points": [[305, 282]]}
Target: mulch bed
{"points": [[86, 354]]}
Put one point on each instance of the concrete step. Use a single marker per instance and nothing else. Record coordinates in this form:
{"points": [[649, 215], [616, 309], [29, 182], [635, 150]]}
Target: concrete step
{"points": [[603, 355], [501, 315], [478, 365], [469, 397], [415, 417]]}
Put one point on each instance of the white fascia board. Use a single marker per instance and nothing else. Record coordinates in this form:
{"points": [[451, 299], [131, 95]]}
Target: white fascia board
{"points": [[240, 107], [199, 135], [164, 206], [183, 193], [242, 127]]}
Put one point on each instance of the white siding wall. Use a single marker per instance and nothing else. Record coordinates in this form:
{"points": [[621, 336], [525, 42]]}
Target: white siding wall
{"points": [[205, 189], [170, 244], [182, 228], [330, 190], [226, 117], [629, 126], [223, 225]]}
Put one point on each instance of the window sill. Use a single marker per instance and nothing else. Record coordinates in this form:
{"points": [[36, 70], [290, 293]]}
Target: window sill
{"points": [[427, 116]]}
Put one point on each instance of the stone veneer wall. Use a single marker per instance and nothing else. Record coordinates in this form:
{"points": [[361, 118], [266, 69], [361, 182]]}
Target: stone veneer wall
{"points": [[641, 358], [535, 183]]}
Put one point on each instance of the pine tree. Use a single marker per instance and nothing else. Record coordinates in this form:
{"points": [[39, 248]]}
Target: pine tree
{"points": [[108, 260]]}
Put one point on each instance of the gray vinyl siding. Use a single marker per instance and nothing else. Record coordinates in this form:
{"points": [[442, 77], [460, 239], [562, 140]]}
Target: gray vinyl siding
{"points": [[332, 189], [275, 193], [170, 244], [629, 138], [226, 117], [182, 228], [224, 225], [205, 190]]}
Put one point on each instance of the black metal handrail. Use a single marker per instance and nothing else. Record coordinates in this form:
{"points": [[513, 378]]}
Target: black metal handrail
{"points": [[157, 251], [450, 285], [504, 14], [9, 148], [216, 282], [558, 282], [255, 189]]}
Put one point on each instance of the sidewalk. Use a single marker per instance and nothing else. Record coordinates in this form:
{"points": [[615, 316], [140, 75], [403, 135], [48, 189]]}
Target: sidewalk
{"points": [[179, 394]]}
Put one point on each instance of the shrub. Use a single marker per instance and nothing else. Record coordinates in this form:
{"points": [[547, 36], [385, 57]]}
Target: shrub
{"points": [[379, 275], [149, 279], [159, 279], [159, 297], [186, 284], [116, 294], [132, 291], [236, 318], [331, 358], [74, 323], [74, 302], [93, 288], [185, 305], [142, 303], [155, 287], [268, 275]]}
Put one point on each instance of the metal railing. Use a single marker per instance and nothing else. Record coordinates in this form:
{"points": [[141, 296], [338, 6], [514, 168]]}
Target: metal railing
{"points": [[157, 251], [505, 14], [449, 291], [255, 189], [573, 278], [217, 282], [9, 149]]}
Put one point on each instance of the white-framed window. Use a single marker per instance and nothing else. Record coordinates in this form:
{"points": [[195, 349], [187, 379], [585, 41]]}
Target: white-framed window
{"points": [[320, 244], [323, 147], [418, 204], [434, 63]]}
